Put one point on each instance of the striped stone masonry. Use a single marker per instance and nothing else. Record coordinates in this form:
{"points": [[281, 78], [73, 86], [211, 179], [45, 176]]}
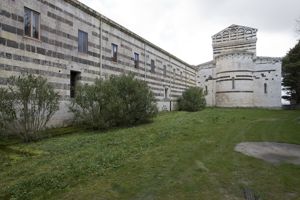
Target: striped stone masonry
{"points": [[56, 51]]}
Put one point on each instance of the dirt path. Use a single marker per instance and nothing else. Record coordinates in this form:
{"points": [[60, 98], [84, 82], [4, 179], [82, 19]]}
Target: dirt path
{"points": [[271, 152]]}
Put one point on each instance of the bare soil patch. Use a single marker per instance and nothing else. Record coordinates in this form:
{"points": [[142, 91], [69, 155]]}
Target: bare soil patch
{"points": [[271, 152]]}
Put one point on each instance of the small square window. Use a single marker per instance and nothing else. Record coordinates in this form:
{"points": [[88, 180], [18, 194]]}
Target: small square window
{"points": [[114, 52], [136, 60], [82, 41], [31, 23]]}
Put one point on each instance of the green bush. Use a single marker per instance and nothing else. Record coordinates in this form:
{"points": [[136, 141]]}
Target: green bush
{"points": [[32, 102], [7, 113], [192, 100], [119, 101]]}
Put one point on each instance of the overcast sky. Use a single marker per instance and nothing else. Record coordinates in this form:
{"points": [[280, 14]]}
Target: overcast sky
{"points": [[184, 27]]}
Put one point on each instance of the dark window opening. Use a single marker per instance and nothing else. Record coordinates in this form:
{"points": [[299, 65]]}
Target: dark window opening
{"points": [[152, 66], [31, 23], [166, 93], [165, 70], [206, 90], [82, 41], [265, 88], [114, 52], [136, 60], [233, 83], [74, 79]]}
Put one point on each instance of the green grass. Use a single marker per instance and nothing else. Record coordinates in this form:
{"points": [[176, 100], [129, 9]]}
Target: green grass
{"points": [[178, 156]]}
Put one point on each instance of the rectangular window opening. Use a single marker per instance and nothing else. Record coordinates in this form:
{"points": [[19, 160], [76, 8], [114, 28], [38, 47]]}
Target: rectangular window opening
{"points": [[114, 52], [74, 79], [152, 66], [265, 88], [31, 23], [233, 83], [166, 93], [136, 60], [165, 70], [82, 41]]}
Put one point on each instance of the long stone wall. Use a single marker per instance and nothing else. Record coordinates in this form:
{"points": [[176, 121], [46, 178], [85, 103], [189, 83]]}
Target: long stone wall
{"points": [[55, 54]]}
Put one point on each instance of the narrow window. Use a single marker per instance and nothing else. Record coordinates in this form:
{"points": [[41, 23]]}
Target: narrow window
{"points": [[206, 90], [114, 52], [82, 41], [166, 93], [152, 66], [265, 88], [165, 70], [31, 23], [233, 83], [74, 78], [136, 60]]}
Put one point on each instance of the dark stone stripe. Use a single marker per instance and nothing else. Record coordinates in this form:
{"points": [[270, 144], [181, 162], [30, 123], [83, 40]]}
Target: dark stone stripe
{"points": [[53, 54], [271, 70], [234, 71], [116, 69], [33, 71], [221, 92], [44, 39], [4, 81], [12, 29], [59, 18], [32, 60], [222, 77], [244, 76], [58, 32], [237, 79], [12, 16]]}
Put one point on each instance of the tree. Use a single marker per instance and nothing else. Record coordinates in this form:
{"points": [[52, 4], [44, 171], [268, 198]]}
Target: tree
{"points": [[192, 100], [291, 74], [31, 102]]}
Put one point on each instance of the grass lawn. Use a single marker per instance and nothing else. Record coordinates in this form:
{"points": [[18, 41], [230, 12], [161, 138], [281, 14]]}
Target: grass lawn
{"points": [[178, 156]]}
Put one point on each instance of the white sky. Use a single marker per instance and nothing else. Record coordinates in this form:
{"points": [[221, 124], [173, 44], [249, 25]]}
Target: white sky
{"points": [[184, 27]]}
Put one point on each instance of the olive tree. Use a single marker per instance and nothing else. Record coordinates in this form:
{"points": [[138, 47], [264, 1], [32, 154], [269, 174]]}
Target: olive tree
{"points": [[31, 102]]}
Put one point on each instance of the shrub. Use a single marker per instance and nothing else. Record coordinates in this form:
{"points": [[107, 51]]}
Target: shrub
{"points": [[192, 100], [137, 100], [95, 106], [7, 113], [32, 103], [119, 101]]}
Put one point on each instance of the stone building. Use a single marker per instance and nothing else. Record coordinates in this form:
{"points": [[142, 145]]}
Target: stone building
{"points": [[236, 77], [68, 43]]}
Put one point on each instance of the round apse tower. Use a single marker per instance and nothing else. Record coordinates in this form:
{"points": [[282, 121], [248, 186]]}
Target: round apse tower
{"points": [[234, 50]]}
